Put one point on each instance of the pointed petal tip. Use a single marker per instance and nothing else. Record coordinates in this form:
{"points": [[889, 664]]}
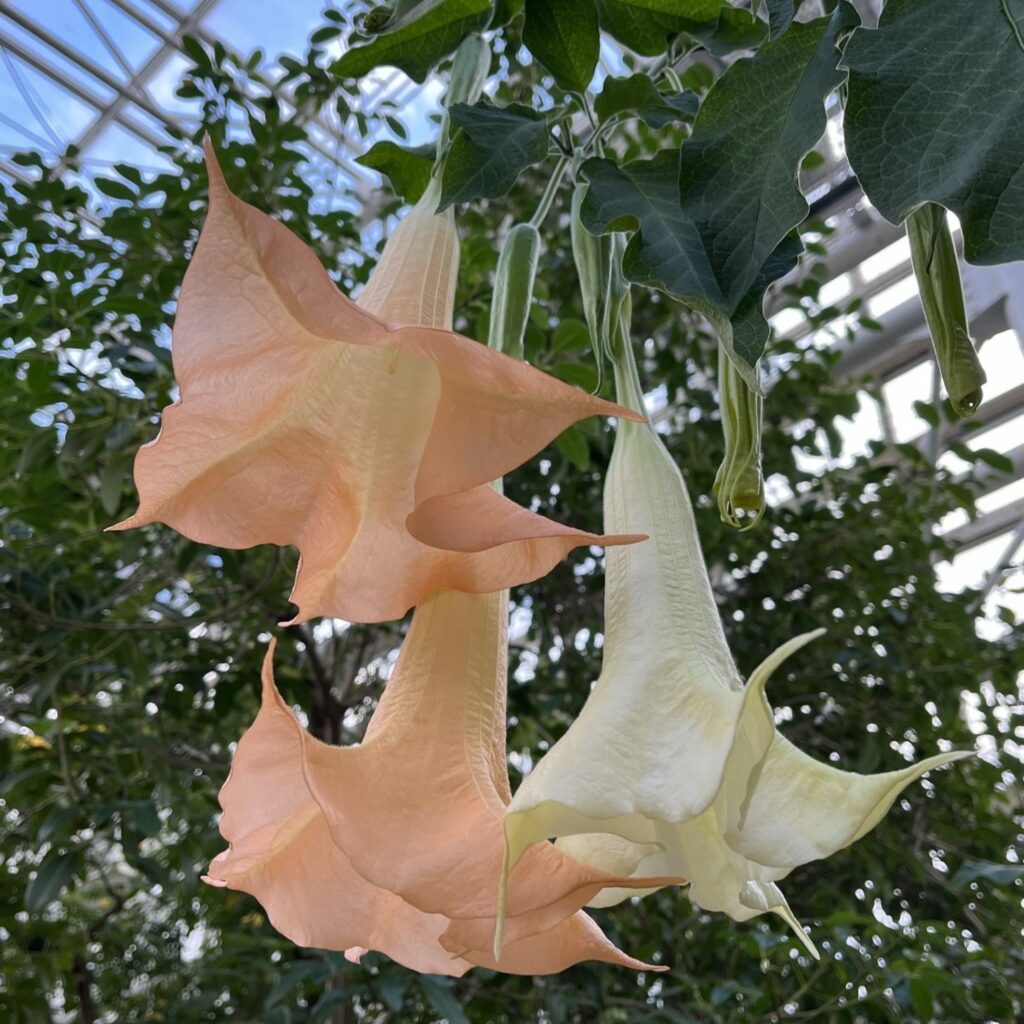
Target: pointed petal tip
{"points": [[760, 676], [214, 172], [134, 520], [608, 540], [622, 412]]}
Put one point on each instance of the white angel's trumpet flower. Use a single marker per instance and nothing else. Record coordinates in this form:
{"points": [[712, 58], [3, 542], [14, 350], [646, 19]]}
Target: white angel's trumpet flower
{"points": [[674, 767]]}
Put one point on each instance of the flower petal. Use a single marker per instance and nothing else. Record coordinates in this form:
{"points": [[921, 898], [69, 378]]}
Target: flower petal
{"points": [[308, 420], [432, 778], [651, 741], [282, 852], [801, 810], [672, 768]]}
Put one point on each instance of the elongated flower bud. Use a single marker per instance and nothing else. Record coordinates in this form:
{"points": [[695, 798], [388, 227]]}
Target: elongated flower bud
{"points": [[470, 65], [942, 295], [591, 254], [513, 290], [739, 485]]}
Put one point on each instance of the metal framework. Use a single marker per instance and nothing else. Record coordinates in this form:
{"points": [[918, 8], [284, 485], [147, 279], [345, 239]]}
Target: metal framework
{"points": [[118, 92]]}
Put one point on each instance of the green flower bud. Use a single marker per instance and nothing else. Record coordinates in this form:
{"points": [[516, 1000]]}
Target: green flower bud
{"points": [[513, 290], [942, 295], [739, 485]]}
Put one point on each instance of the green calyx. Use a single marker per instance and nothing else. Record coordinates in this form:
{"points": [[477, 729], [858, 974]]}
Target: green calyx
{"points": [[942, 295], [739, 484], [513, 290]]}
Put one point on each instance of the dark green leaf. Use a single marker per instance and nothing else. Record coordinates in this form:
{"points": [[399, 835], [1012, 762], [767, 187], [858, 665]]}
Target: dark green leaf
{"points": [[115, 189], [393, 986], [51, 876], [408, 170], [292, 978], [736, 29], [327, 1004], [714, 219], [146, 817], [638, 95], [997, 874], [921, 999], [583, 375], [111, 481], [39, 444], [935, 107], [442, 1001], [570, 336], [995, 459], [780, 14], [646, 25], [494, 145], [572, 443], [416, 41], [564, 36]]}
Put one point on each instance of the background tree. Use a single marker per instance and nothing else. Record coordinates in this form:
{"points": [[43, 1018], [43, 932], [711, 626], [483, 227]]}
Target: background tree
{"points": [[131, 661]]}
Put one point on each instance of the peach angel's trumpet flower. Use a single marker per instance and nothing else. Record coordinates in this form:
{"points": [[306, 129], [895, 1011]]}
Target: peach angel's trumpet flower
{"points": [[673, 764], [396, 844], [364, 434]]}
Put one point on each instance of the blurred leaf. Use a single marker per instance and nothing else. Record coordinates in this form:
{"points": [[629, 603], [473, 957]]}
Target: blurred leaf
{"points": [[408, 169], [572, 443], [52, 875], [997, 874], [570, 335], [442, 1002]]}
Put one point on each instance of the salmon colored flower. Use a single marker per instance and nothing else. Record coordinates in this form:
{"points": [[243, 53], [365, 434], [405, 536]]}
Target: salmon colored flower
{"points": [[396, 844], [363, 434], [674, 766]]}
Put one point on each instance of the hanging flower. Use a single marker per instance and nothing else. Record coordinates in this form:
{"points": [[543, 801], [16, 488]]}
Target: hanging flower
{"points": [[674, 765], [363, 434], [396, 844]]}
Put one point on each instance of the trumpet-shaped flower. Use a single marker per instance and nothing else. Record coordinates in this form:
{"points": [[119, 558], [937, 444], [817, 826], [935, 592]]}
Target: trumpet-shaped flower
{"points": [[674, 766], [396, 844], [363, 434]]}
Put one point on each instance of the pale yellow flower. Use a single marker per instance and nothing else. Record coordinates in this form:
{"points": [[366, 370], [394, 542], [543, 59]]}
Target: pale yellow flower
{"points": [[674, 766]]}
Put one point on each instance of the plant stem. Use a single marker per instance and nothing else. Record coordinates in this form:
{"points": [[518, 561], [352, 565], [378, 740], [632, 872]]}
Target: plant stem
{"points": [[550, 192]]}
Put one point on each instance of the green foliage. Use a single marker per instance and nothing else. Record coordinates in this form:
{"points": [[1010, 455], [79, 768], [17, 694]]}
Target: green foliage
{"points": [[494, 145], [416, 38], [780, 15], [131, 660], [638, 96], [645, 26], [564, 36], [407, 169], [713, 220], [936, 100]]}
